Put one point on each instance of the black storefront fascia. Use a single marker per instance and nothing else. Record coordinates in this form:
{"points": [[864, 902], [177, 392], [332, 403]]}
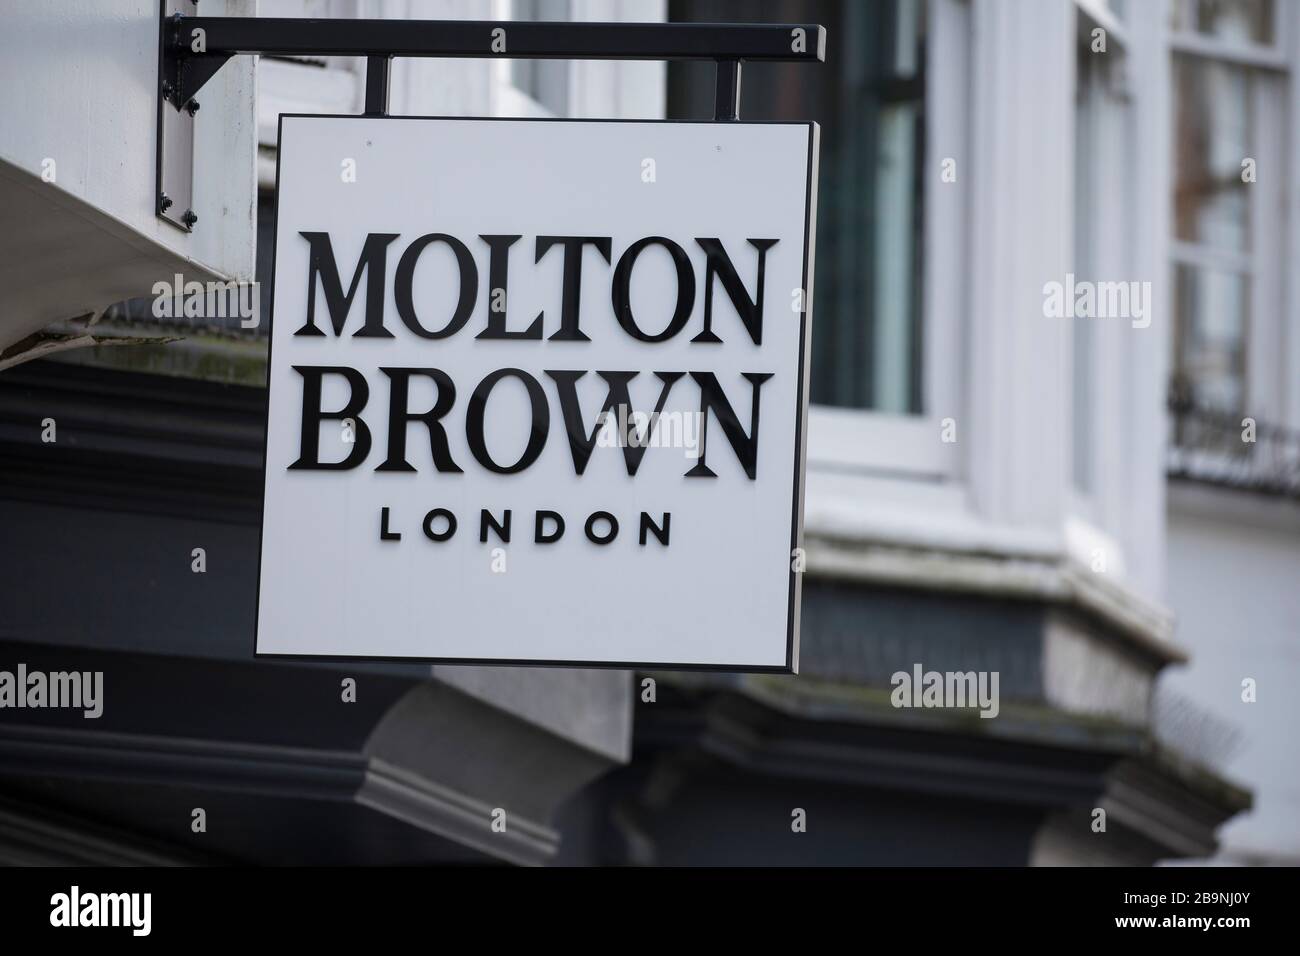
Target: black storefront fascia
{"points": [[99, 529]]}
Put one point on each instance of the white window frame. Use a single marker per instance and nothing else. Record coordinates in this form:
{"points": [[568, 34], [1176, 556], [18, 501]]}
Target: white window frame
{"points": [[1098, 13], [304, 84], [880, 443], [624, 89], [509, 99], [467, 87], [1272, 359], [1093, 521]]}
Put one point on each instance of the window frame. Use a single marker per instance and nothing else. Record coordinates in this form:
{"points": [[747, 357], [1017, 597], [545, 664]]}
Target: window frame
{"points": [[1092, 521], [885, 443], [508, 98], [1269, 363]]}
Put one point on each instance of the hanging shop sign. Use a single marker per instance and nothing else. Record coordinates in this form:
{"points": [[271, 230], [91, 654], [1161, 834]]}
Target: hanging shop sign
{"points": [[538, 391]]}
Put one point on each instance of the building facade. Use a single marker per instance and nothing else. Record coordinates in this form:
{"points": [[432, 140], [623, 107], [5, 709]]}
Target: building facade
{"points": [[1006, 475]]}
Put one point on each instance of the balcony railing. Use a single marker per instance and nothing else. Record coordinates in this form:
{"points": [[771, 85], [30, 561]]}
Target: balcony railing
{"points": [[1214, 447]]}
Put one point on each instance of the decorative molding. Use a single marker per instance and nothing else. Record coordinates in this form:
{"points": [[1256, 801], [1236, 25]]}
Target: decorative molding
{"points": [[246, 770], [1159, 806], [454, 815], [39, 836], [276, 771], [1049, 578]]}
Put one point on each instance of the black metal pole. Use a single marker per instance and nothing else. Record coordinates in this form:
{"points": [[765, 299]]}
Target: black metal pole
{"points": [[485, 38], [377, 69], [726, 103], [195, 48]]}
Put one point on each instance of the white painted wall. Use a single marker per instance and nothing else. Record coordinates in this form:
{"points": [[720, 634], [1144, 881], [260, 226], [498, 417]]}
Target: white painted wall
{"points": [[627, 89], [1234, 583], [78, 85]]}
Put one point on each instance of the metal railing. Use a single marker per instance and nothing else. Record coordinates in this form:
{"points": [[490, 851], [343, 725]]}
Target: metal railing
{"points": [[1232, 449]]}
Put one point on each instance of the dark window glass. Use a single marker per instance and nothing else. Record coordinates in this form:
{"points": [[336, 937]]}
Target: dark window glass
{"points": [[1235, 21], [869, 99]]}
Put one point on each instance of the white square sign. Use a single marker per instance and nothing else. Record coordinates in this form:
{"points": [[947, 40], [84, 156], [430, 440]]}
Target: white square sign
{"points": [[538, 391]]}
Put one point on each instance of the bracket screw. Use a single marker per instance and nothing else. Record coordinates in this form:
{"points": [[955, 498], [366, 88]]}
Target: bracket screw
{"points": [[192, 107], [189, 218], [164, 202], [167, 89]]}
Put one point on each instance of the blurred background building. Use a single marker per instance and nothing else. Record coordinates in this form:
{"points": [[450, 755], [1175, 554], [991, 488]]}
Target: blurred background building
{"points": [[1066, 501]]}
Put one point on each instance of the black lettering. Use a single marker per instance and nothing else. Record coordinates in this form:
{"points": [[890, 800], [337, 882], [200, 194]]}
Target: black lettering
{"points": [[621, 290], [581, 442], [373, 262], [384, 533], [750, 310], [498, 277], [312, 416], [486, 520], [465, 298], [433, 516], [659, 531], [571, 293], [541, 421], [399, 417], [712, 399], [591, 527], [540, 534]]}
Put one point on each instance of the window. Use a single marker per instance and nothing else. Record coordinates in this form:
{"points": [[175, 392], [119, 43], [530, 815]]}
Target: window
{"points": [[1086, 108], [1235, 349], [1238, 21], [533, 87], [1224, 234], [870, 101], [1102, 244], [546, 81], [1213, 135]]}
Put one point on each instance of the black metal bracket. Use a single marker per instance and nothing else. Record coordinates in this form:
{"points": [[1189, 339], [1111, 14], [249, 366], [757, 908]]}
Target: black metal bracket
{"points": [[192, 49], [174, 148], [726, 96]]}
